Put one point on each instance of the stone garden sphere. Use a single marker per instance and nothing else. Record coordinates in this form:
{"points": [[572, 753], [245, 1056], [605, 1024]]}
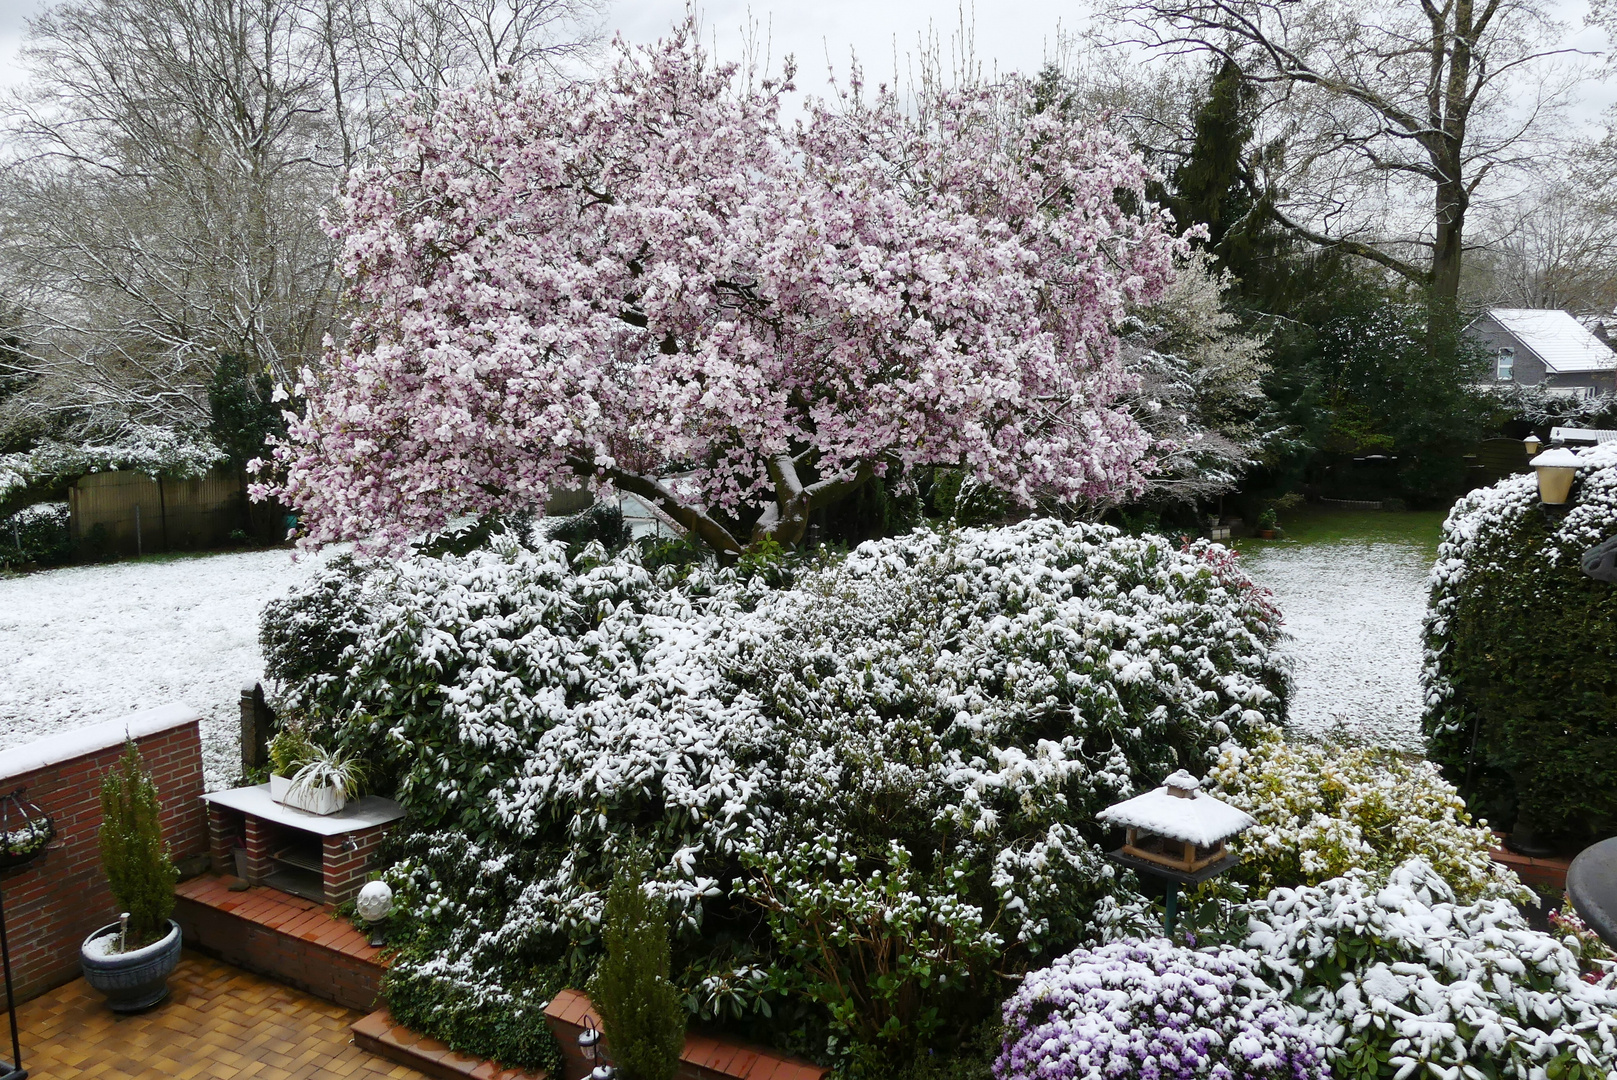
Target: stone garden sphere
{"points": [[375, 901]]}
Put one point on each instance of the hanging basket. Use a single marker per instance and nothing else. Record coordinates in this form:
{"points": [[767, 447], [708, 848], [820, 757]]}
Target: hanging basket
{"points": [[25, 829]]}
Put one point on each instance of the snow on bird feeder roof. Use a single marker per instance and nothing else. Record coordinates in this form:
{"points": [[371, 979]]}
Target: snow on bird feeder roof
{"points": [[1179, 810]]}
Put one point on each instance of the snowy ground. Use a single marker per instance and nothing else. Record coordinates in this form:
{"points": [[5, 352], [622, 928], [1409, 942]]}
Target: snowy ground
{"points": [[1354, 612], [92, 643]]}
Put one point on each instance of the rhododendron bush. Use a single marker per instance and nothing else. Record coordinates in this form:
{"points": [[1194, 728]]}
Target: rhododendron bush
{"points": [[649, 281], [1150, 1009], [1404, 981], [870, 795]]}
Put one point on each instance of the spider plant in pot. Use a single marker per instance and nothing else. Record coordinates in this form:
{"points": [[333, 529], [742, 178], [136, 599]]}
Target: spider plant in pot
{"points": [[130, 960], [325, 782], [289, 751]]}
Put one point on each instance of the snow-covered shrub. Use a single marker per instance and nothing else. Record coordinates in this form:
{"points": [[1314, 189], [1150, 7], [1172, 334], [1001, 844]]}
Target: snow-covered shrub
{"points": [[46, 470], [892, 766], [1150, 1009], [1405, 982], [1520, 648], [1323, 810], [36, 534]]}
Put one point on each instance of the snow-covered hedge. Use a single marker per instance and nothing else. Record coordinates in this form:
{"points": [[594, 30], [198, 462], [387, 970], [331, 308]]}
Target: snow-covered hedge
{"points": [[1405, 982], [891, 768], [1520, 647], [1150, 1009], [52, 465], [36, 534], [1323, 810]]}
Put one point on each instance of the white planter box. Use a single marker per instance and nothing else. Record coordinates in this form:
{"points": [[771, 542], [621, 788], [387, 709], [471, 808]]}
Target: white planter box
{"points": [[322, 801]]}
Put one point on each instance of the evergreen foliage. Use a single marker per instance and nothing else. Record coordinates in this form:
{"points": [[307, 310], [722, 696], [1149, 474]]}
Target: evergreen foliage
{"points": [[641, 1013], [242, 410], [36, 535], [1521, 657], [133, 853]]}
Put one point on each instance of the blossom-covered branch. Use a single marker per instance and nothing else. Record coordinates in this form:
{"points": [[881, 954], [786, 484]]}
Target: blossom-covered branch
{"points": [[649, 282]]}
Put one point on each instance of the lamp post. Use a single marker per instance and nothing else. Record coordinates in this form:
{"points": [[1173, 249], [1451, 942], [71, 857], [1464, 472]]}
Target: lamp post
{"points": [[589, 1045], [1556, 470], [1176, 833], [25, 829], [1531, 445], [375, 903]]}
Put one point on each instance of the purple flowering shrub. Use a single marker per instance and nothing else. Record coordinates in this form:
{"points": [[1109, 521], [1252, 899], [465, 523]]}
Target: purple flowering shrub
{"points": [[1150, 1009]]}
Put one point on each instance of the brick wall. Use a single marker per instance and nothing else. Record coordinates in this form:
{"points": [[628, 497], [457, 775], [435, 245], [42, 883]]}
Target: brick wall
{"points": [[54, 902]]}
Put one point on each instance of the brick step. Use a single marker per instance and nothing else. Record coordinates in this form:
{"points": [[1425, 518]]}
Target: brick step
{"points": [[1547, 873], [284, 937], [379, 1035]]}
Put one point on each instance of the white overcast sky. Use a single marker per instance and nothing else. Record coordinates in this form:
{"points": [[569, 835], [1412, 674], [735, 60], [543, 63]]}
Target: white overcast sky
{"points": [[1009, 34]]}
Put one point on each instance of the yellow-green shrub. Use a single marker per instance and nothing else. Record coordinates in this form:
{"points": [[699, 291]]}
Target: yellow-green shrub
{"points": [[1323, 810]]}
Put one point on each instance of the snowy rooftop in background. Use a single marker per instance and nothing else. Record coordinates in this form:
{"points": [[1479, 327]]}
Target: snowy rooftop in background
{"points": [[1199, 819], [1582, 435], [1564, 344]]}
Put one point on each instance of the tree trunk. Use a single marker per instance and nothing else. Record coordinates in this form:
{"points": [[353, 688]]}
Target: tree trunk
{"points": [[1442, 310]]}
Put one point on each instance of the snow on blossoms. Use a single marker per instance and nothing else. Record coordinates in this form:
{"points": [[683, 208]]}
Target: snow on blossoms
{"points": [[1152, 1009], [648, 275]]}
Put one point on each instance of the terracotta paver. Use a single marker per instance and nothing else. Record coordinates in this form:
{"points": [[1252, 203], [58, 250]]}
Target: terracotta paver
{"points": [[218, 1023]]}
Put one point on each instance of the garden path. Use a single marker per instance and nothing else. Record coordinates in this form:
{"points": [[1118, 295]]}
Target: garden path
{"points": [[1352, 586]]}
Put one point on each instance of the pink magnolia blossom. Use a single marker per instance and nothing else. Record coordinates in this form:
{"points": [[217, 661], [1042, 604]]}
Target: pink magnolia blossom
{"points": [[650, 282]]}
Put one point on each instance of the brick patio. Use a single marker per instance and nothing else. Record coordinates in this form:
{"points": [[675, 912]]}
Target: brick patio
{"points": [[218, 1023]]}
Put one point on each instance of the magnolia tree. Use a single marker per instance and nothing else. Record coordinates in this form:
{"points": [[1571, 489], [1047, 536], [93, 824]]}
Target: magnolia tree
{"points": [[650, 282]]}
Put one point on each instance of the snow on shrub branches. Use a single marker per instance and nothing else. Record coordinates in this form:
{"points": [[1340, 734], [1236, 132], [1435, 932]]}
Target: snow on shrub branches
{"points": [[1405, 982], [896, 762], [648, 274], [1151, 1009], [1324, 810]]}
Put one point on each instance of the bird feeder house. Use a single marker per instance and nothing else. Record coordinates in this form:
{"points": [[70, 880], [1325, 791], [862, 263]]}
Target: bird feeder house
{"points": [[1177, 830]]}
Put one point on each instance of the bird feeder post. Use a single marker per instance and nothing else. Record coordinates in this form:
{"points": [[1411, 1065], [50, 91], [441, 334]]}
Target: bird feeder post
{"points": [[1176, 832]]}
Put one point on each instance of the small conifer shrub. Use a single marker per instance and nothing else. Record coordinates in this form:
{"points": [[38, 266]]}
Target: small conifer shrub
{"points": [[139, 871], [641, 1014]]}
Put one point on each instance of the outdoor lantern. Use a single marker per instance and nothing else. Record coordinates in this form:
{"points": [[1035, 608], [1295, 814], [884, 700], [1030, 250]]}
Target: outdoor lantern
{"points": [[589, 1044], [1531, 444], [25, 829], [1556, 470], [375, 903], [1176, 832]]}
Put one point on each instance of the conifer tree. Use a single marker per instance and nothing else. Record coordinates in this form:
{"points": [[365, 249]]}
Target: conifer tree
{"points": [[133, 853], [641, 1014]]}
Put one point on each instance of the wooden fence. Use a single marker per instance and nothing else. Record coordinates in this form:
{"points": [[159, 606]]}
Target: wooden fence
{"points": [[130, 513]]}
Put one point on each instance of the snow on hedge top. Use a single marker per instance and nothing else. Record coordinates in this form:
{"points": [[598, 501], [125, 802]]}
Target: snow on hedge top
{"points": [[1196, 818], [140, 447]]}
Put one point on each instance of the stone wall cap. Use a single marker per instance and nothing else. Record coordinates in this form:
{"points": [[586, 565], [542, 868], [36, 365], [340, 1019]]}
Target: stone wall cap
{"points": [[82, 742], [362, 813]]}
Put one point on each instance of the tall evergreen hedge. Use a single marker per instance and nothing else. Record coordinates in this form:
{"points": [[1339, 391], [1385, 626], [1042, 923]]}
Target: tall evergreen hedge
{"points": [[1521, 657]]}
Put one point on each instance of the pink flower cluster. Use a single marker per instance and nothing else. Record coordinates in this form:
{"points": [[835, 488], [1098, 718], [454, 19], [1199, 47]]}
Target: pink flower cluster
{"points": [[650, 281]]}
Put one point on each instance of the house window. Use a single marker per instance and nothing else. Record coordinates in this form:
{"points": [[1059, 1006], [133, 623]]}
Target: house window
{"points": [[1505, 365]]}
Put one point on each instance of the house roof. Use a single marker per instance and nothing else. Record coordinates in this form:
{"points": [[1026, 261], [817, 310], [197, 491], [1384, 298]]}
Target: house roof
{"points": [[1562, 342], [1582, 435]]}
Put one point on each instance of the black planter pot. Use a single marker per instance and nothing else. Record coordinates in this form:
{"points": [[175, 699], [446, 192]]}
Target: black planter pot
{"points": [[134, 980]]}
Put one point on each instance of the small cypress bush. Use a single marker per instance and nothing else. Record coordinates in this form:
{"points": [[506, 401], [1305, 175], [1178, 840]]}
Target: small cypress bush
{"points": [[641, 1014], [133, 854]]}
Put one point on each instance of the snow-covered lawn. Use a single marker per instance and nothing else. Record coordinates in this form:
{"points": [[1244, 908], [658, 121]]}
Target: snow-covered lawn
{"points": [[92, 643], [1354, 610]]}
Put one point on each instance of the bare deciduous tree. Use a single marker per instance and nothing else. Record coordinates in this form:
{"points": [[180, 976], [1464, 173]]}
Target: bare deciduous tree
{"points": [[167, 161], [1395, 112]]}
